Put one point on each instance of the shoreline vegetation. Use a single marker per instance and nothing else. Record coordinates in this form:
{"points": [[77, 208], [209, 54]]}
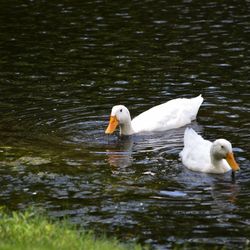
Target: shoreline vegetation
{"points": [[30, 230]]}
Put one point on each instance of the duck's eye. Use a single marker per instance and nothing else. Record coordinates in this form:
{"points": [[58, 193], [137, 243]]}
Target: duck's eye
{"points": [[120, 110], [222, 146]]}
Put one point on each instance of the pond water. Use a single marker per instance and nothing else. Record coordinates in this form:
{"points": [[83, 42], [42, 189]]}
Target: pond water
{"points": [[64, 64]]}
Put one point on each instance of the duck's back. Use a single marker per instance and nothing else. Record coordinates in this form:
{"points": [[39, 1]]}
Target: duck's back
{"points": [[172, 114], [196, 152]]}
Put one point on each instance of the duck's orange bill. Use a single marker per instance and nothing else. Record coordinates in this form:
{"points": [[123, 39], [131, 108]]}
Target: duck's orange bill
{"points": [[231, 161], [113, 123]]}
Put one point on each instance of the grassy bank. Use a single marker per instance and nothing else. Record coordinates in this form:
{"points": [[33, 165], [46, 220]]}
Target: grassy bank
{"points": [[26, 231]]}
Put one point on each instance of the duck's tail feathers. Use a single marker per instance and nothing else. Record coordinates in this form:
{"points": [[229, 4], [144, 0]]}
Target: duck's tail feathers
{"points": [[196, 103]]}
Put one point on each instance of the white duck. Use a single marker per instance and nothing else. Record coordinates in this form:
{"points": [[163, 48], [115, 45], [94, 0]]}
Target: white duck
{"points": [[172, 114], [207, 157]]}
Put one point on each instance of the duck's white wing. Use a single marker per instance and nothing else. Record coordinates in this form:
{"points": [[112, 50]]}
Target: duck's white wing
{"points": [[196, 152], [172, 114]]}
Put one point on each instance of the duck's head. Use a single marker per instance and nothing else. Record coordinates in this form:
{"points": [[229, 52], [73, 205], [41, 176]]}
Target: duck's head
{"points": [[119, 116], [222, 149]]}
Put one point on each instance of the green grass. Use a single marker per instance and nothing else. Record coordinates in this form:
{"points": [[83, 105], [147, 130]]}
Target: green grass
{"points": [[28, 230]]}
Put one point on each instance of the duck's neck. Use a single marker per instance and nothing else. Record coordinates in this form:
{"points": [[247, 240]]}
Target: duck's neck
{"points": [[126, 128], [218, 164]]}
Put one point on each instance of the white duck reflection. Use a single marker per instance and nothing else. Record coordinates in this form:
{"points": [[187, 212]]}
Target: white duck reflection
{"points": [[121, 152], [120, 155], [215, 190]]}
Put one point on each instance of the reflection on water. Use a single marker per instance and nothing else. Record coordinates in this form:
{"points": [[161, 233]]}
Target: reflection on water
{"points": [[65, 64], [121, 155]]}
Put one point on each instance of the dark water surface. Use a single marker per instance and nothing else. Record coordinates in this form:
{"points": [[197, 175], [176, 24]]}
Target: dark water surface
{"points": [[64, 64]]}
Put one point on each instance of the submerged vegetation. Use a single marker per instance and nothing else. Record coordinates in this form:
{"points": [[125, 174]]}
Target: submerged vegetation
{"points": [[29, 230]]}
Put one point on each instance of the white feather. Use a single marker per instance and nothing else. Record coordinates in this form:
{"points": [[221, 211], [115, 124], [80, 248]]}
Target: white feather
{"points": [[197, 156], [172, 114]]}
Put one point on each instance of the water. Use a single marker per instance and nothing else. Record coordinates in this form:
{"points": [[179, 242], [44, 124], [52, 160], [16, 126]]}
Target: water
{"points": [[65, 64]]}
